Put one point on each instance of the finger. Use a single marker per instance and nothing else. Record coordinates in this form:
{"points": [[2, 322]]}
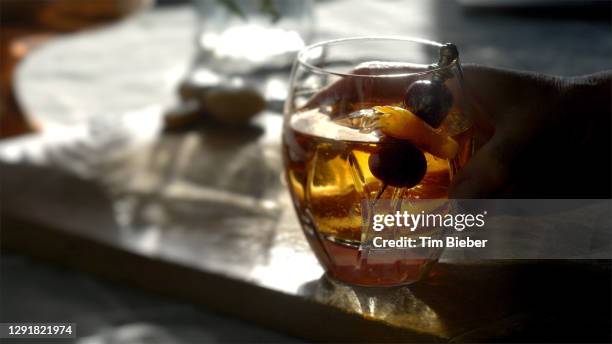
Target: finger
{"points": [[488, 171], [358, 86], [492, 91], [388, 68]]}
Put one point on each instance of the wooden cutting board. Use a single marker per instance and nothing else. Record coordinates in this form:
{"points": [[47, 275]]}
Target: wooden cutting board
{"points": [[265, 273]]}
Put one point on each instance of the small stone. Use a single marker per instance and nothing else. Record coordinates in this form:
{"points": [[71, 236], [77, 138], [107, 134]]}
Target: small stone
{"points": [[233, 105]]}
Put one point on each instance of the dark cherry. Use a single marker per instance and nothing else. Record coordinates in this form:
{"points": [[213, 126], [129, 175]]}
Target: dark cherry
{"points": [[430, 100], [398, 163]]}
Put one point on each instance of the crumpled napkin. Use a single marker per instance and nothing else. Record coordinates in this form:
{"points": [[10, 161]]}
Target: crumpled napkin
{"points": [[83, 148]]}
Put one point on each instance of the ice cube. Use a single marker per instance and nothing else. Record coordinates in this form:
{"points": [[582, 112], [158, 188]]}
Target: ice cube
{"points": [[364, 120], [314, 123]]}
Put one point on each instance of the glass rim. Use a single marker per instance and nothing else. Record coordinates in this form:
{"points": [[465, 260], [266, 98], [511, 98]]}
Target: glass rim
{"points": [[302, 60]]}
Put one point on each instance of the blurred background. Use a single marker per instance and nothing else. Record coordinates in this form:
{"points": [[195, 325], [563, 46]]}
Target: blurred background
{"points": [[153, 126]]}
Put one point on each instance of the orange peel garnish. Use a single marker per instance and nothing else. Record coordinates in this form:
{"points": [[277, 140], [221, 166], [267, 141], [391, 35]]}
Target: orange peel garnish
{"points": [[402, 124]]}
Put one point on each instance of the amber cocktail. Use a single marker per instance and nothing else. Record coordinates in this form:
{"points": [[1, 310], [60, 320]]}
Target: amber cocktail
{"points": [[358, 131]]}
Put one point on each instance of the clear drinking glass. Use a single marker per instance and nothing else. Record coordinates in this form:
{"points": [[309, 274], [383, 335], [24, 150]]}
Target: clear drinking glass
{"points": [[245, 37], [369, 120]]}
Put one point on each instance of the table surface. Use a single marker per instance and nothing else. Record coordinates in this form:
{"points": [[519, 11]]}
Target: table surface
{"points": [[267, 275], [168, 214]]}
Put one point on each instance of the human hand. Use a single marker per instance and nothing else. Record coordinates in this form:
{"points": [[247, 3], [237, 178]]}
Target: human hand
{"points": [[551, 136]]}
